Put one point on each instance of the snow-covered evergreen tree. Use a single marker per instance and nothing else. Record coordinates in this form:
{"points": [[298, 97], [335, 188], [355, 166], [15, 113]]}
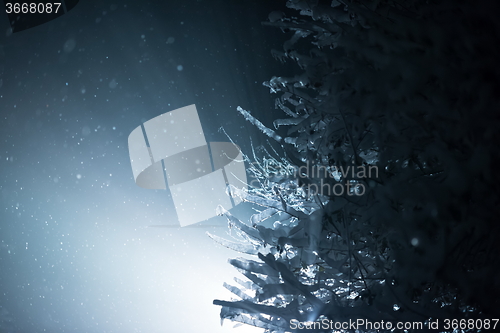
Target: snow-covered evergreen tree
{"points": [[410, 87]]}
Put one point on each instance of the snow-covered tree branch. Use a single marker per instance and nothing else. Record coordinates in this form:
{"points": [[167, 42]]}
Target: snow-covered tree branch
{"points": [[412, 88]]}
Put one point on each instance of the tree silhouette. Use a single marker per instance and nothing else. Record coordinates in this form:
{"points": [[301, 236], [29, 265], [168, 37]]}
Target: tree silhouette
{"points": [[411, 89]]}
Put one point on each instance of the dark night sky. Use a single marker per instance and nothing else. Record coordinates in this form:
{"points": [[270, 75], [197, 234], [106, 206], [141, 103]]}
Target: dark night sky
{"points": [[76, 254]]}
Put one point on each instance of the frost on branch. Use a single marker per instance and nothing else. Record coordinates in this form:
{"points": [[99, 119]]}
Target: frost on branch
{"points": [[267, 131], [411, 87]]}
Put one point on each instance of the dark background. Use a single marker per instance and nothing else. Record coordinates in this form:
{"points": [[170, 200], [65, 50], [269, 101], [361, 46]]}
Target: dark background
{"points": [[76, 253]]}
